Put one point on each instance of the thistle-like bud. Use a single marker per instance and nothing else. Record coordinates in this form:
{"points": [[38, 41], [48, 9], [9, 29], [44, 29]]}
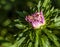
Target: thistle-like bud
{"points": [[36, 20]]}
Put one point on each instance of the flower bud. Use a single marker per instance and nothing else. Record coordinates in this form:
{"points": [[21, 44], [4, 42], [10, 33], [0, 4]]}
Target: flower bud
{"points": [[36, 20]]}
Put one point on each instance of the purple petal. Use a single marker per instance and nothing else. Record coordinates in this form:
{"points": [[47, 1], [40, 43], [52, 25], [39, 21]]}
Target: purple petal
{"points": [[36, 19]]}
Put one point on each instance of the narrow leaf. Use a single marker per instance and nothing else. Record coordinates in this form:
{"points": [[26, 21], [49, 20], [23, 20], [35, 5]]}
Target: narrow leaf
{"points": [[30, 44], [52, 37], [18, 43], [45, 41]]}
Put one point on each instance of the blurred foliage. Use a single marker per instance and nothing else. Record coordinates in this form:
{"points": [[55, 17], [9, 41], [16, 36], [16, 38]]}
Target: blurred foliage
{"points": [[16, 32], [56, 3]]}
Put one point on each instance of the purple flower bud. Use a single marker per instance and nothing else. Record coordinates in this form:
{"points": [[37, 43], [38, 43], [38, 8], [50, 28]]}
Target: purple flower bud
{"points": [[36, 19]]}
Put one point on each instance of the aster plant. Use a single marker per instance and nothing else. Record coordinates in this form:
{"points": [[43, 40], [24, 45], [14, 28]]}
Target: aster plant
{"points": [[37, 27]]}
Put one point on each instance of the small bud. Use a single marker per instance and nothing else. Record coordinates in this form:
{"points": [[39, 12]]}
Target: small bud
{"points": [[36, 20]]}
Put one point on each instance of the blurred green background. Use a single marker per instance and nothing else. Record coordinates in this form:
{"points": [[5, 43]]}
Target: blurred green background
{"points": [[8, 16]]}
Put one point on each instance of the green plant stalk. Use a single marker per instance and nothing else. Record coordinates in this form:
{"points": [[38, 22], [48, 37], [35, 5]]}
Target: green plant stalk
{"points": [[38, 32], [38, 6]]}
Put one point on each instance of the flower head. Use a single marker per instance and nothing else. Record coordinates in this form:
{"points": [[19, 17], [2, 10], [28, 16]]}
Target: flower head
{"points": [[36, 19]]}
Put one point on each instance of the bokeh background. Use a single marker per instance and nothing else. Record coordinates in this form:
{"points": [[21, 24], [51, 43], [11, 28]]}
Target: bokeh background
{"points": [[9, 17]]}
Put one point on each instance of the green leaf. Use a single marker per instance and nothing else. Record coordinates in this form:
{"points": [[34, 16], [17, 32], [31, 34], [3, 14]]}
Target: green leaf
{"points": [[52, 9], [45, 41], [45, 3], [6, 44], [30, 44], [18, 43], [57, 19], [3, 32], [37, 38], [6, 22], [38, 6], [21, 14], [31, 36], [47, 13], [57, 24], [52, 37], [20, 26], [20, 35]]}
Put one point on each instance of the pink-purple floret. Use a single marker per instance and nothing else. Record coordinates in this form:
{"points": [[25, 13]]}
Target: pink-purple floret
{"points": [[36, 19]]}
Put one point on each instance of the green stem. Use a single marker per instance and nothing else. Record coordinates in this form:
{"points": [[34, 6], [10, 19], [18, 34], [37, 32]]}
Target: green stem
{"points": [[38, 6], [37, 38]]}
